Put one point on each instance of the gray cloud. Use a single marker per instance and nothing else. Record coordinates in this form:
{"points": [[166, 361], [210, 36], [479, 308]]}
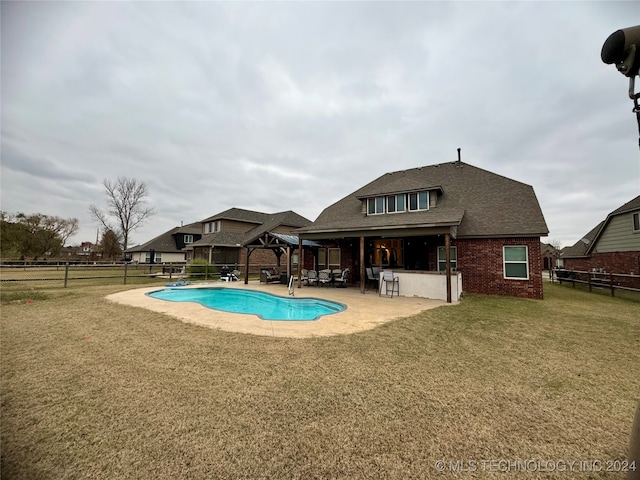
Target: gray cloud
{"points": [[292, 106]]}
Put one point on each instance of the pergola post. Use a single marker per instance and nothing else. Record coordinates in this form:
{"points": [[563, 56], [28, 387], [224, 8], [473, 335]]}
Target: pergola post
{"points": [[288, 262], [246, 265]]}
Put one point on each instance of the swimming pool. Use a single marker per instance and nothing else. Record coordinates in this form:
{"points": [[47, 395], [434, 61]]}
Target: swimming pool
{"points": [[264, 305]]}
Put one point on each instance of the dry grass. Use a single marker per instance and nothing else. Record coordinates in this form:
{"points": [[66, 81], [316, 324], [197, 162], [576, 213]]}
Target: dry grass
{"points": [[92, 389]]}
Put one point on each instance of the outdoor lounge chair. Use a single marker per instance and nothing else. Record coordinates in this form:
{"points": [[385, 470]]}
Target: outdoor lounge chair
{"points": [[312, 277], [269, 276], [324, 277], [343, 278], [304, 275], [389, 278]]}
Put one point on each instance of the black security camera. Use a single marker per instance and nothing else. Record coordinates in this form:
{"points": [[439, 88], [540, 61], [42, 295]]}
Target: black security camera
{"points": [[623, 48]]}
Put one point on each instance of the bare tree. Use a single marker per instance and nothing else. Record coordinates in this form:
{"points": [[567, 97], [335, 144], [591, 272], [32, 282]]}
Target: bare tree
{"points": [[126, 207]]}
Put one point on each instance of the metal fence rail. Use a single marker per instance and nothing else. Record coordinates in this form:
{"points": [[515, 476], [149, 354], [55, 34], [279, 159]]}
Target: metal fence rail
{"points": [[599, 280]]}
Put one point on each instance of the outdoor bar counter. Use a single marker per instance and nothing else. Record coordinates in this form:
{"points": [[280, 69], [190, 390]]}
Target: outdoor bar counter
{"points": [[426, 284]]}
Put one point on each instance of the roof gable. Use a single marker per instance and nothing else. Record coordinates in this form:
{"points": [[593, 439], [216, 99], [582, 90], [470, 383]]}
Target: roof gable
{"points": [[264, 223], [166, 242], [239, 215]]}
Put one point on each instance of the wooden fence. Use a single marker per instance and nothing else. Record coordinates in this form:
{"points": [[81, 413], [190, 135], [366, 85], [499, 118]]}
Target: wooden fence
{"points": [[64, 273], [598, 280]]}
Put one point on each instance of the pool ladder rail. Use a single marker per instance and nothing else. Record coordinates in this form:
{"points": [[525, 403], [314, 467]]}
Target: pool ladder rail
{"points": [[291, 289]]}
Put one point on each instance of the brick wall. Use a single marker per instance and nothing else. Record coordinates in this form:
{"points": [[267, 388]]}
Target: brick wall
{"points": [[611, 262], [481, 264]]}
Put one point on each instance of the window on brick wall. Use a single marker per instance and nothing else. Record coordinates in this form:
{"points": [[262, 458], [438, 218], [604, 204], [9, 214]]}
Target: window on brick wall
{"points": [[442, 259], [516, 262]]}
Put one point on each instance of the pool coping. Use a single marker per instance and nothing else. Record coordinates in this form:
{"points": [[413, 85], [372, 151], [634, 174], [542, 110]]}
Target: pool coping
{"points": [[363, 312]]}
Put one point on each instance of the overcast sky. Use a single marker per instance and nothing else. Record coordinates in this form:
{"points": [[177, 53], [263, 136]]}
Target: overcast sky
{"points": [[291, 106]]}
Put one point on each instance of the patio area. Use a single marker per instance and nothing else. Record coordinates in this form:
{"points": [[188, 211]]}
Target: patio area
{"points": [[364, 311]]}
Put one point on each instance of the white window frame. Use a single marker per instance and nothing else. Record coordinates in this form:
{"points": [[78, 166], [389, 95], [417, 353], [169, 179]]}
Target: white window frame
{"points": [[417, 194], [157, 257], [212, 227], [393, 200], [635, 222], [188, 239], [514, 262], [375, 202], [443, 259]]}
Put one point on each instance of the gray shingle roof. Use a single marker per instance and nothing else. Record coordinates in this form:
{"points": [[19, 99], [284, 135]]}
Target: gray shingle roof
{"points": [[481, 203], [583, 246], [220, 239], [265, 223], [240, 215], [627, 207], [579, 249], [166, 242]]}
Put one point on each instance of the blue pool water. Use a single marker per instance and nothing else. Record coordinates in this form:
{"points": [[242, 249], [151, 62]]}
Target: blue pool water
{"points": [[264, 305]]}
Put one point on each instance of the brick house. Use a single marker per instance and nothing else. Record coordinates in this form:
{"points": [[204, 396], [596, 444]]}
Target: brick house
{"points": [[228, 237], [612, 246], [167, 247], [416, 222]]}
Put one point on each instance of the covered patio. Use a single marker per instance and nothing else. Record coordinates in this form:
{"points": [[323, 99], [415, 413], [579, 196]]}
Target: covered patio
{"points": [[424, 259]]}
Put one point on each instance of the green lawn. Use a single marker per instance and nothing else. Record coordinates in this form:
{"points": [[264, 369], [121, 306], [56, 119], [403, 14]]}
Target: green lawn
{"points": [[92, 389]]}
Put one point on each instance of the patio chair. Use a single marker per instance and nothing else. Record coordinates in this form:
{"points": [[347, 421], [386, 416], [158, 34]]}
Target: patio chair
{"points": [[312, 277], [304, 275], [324, 277], [389, 278], [371, 278], [343, 278]]}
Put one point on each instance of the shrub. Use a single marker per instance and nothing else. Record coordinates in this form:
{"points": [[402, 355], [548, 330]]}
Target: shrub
{"points": [[199, 268]]}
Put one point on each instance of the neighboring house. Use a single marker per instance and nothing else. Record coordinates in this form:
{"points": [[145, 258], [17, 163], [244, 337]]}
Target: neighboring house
{"points": [[612, 246], [168, 247], [404, 221], [550, 256], [86, 249], [227, 236]]}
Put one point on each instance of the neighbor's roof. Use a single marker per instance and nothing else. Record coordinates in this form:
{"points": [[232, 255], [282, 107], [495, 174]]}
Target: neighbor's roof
{"points": [[583, 246], [166, 242], [627, 207], [265, 222], [479, 202], [245, 216], [579, 249]]}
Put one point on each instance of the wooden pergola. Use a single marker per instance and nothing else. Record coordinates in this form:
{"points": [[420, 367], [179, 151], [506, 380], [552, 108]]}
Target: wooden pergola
{"points": [[281, 244]]}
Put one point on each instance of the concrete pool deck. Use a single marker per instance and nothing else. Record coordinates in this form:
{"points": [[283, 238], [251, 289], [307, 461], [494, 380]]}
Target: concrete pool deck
{"points": [[363, 312]]}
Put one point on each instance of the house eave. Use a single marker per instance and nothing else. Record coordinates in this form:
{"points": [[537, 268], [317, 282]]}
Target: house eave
{"points": [[387, 230]]}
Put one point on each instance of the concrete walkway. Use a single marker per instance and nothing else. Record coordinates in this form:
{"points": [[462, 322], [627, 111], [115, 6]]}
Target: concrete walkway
{"points": [[363, 312]]}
